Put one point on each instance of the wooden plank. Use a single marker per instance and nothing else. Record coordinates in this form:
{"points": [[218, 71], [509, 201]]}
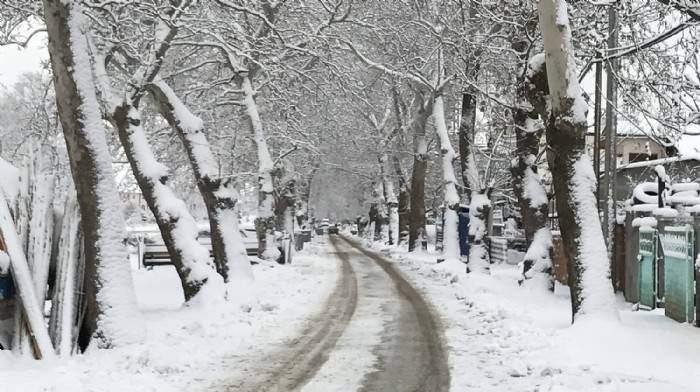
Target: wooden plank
{"points": [[26, 293]]}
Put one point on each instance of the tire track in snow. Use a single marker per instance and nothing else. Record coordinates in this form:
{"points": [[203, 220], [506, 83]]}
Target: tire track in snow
{"points": [[289, 367], [412, 357]]}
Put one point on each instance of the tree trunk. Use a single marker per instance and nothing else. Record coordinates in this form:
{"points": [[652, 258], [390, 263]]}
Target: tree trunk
{"points": [[572, 171], [479, 193], [451, 197], [391, 202], [219, 194], [527, 186], [416, 222], [111, 315], [467, 129], [177, 227], [404, 202], [265, 222]]}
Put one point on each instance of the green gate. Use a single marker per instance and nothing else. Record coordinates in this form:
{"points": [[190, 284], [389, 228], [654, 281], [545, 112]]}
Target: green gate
{"points": [[679, 287], [647, 266]]}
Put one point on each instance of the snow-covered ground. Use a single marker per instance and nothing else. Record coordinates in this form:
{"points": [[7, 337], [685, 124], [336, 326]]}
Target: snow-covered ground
{"points": [[503, 337], [186, 344]]}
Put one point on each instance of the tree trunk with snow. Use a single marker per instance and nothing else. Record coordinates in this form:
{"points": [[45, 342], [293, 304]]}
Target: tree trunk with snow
{"points": [[177, 226], [572, 172], [467, 131], [390, 200], [451, 198], [479, 193], [416, 221], [112, 316], [219, 194], [479, 212], [404, 202], [265, 222], [527, 185]]}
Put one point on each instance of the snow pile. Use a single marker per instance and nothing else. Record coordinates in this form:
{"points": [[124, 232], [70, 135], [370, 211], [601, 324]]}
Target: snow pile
{"points": [[647, 221], [532, 186], [684, 194], [665, 212], [646, 193], [538, 253], [505, 337], [186, 345]]}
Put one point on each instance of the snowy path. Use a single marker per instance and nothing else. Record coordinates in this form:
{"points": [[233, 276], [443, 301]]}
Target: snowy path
{"points": [[289, 363], [375, 334]]}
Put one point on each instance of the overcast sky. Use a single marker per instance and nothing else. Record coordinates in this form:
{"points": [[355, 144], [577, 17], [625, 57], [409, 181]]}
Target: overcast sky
{"points": [[14, 61]]}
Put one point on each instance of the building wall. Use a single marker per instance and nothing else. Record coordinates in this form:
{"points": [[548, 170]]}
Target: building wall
{"points": [[630, 145], [636, 145]]}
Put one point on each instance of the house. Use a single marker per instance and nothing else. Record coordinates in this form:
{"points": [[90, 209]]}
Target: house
{"points": [[635, 147]]}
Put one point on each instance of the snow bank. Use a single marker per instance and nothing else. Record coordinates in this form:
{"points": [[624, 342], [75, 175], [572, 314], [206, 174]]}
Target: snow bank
{"points": [[505, 337], [186, 345], [648, 221]]}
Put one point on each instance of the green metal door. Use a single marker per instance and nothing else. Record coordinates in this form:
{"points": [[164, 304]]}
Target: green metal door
{"points": [[647, 264], [679, 287]]}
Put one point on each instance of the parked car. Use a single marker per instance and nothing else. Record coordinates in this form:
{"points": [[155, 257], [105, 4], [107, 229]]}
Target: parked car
{"points": [[322, 228], [156, 253], [333, 229]]}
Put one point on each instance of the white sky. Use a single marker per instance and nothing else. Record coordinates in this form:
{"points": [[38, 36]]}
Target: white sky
{"points": [[14, 61]]}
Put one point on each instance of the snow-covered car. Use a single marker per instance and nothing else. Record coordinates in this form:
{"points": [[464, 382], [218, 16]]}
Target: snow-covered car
{"points": [[333, 229], [156, 253]]}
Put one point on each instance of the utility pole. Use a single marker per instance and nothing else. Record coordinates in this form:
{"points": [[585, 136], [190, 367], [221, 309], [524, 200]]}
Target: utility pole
{"points": [[608, 189], [597, 128]]}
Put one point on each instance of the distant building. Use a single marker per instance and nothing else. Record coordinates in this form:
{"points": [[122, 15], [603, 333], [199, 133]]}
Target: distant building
{"points": [[635, 147]]}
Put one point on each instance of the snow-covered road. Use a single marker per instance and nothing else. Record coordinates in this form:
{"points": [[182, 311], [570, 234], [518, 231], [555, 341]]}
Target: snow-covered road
{"points": [[376, 333]]}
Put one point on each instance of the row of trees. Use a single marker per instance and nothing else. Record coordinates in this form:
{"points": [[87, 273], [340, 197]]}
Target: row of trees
{"points": [[375, 92]]}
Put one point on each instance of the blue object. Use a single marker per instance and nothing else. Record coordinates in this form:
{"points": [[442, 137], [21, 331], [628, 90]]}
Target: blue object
{"points": [[463, 228], [7, 287]]}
